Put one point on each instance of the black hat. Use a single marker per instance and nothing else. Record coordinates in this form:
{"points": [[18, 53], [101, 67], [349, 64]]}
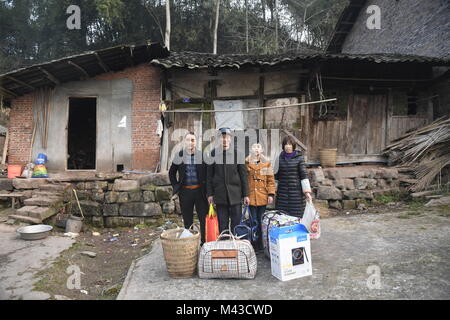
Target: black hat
{"points": [[225, 130]]}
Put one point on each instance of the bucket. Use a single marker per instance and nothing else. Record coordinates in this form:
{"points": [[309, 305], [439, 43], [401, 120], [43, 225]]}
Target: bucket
{"points": [[74, 224], [14, 171], [328, 157]]}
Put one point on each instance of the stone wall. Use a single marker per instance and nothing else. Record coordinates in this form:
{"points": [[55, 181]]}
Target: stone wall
{"points": [[346, 188], [125, 202]]}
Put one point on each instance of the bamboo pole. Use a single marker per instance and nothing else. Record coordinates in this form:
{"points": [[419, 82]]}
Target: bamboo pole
{"points": [[249, 109]]}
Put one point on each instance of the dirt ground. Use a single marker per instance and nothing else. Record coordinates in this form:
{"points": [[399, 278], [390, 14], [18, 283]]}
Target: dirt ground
{"points": [[102, 276]]}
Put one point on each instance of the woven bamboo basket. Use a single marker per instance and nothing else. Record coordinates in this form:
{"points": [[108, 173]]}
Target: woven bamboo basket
{"points": [[328, 157], [181, 255]]}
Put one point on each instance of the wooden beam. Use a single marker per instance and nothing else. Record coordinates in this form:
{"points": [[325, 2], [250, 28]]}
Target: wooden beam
{"points": [[296, 140], [20, 82], [101, 62], [84, 72], [51, 77], [128, 57], [8, 92]]}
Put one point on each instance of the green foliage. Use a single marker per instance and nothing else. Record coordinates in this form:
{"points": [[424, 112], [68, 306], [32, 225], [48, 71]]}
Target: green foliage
{"points": [[34, 31]]}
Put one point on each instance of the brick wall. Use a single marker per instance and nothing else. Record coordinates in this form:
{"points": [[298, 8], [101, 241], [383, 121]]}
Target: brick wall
{"points": [[20, 129], [146, 97]]}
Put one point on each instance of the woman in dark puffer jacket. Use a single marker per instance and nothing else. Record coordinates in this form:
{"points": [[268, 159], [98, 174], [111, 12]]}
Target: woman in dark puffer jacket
{"points": [[293, 182]]}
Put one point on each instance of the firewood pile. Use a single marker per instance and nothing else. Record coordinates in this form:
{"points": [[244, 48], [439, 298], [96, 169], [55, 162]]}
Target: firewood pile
{"points": [[426, 151]]}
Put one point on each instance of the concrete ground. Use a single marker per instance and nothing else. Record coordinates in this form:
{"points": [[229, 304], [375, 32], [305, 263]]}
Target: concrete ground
{"points": [[411, 252], [20, 260]]}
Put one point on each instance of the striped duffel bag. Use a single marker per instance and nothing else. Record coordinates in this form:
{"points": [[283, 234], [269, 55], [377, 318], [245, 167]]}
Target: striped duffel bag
{"points": [[224, 259]]}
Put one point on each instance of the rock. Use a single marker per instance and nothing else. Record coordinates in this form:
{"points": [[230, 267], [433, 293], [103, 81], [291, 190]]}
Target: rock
{"points": [[148, 187], [326, 182], [148, 196], [358, 194], [328, 193], [97, 222], [97, 185], [163, 193], [60, 297], [316, 175], [111, 197], [126, 185], [369, 173], [385, 173], [6, 184], [340, 184], [158, 179], [110, 209], [90, 208], [335, 204], [348, 204], [98, 196], [140, 209], [381, 183], [360, 183], [333, 173], [444, 201], [135, 196], [32, 183], [80, 186], [349, 184], [168, 207], [123, 197], [89, 254]]}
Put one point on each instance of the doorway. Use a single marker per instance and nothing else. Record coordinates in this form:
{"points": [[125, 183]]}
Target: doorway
{"points": [[82, 134]]}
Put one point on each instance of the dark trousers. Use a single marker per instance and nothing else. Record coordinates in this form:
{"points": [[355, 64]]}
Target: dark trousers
{"points": [[256, 212], [229, 216], [189, 198]]}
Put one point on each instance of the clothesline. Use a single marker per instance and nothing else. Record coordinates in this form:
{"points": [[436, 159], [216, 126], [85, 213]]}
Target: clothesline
{"points": [[249, 109]]}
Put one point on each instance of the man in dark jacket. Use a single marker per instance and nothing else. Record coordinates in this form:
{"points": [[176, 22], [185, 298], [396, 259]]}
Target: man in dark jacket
{"points": [[191, 183], [227, 183]]}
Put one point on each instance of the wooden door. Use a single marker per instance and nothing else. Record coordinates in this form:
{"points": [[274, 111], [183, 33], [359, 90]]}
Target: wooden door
{"points": [[366, 124]]}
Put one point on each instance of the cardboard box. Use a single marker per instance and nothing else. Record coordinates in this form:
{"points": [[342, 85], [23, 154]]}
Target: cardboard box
{"points": [[290, 252]]}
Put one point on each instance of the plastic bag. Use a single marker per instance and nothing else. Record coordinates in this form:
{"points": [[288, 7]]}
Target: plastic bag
{"points": [[40, 171], [311, 220], [186, 233], [211, 225]]}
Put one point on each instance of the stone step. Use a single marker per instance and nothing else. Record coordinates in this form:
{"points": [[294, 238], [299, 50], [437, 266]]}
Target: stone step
{"points": [[42, 201], [42, 213], [54, 187], [37, 212], [25, 211], [48, 193], [25, 219]]}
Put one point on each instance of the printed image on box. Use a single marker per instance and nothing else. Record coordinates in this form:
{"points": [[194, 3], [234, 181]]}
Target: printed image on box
{"points": [[290, 252]]}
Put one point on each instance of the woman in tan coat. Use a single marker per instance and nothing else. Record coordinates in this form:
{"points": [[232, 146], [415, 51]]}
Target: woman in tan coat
{"points": [[261, 185]]}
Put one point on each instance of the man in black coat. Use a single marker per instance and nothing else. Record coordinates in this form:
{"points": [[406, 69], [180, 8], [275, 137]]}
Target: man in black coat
{"points": [[227, 183], [191, 183]]}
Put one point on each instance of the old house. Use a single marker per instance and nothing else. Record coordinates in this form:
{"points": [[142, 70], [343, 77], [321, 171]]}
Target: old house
{"points": [[117, 109], [88, 111]]}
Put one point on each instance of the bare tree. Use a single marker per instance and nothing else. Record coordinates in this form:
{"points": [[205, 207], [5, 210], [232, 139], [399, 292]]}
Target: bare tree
{"points": [[216, 25], [167, 35]]}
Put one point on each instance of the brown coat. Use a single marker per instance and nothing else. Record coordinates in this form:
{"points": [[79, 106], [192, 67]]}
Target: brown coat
{"points": [[261, 181]]}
